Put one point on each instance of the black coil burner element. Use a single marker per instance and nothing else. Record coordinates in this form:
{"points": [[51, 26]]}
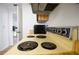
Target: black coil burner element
{"points": [[28, 45], [41, 36], [48, 45], [30, 36]]}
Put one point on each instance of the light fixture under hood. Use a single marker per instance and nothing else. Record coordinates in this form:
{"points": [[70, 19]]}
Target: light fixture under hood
{"points": [[43, 10]]}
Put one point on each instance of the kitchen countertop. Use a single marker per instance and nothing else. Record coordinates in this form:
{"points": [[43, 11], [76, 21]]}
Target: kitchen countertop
{"points": [[63, 45]]}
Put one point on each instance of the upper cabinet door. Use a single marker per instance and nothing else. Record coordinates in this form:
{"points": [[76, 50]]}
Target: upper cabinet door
{"points": [[42, 18]]}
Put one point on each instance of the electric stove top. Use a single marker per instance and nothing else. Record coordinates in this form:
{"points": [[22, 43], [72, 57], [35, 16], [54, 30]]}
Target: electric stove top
{"points": [[41, 36], [30, 36], [48, 45], [28, 45]]}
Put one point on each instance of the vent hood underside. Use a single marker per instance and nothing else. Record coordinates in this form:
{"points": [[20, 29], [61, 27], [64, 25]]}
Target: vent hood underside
{"points": [[43, 8]]}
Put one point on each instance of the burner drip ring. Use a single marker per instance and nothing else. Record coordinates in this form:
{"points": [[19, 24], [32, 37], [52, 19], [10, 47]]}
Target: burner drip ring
{"points": [[28, 45], [48, 45]]}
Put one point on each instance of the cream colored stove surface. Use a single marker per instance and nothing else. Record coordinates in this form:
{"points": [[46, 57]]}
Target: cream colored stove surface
{"points": [[63, 45]]}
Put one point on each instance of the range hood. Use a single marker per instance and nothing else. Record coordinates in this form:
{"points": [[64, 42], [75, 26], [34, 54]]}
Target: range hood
{"points": [[43, 8]]}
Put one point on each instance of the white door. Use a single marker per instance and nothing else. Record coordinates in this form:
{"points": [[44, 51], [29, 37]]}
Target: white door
{"points": [[17, 23]]}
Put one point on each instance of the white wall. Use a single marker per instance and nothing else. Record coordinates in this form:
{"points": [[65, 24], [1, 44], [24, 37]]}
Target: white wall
{"points": [[29, 19], [0, 29], [5, 26], [64, 15]]}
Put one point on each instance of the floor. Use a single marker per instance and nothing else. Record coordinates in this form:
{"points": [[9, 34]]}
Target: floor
{"points": [[4, 51]]}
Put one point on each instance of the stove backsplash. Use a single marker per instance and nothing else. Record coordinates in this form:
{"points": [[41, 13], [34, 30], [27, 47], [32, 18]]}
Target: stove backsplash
{"points": [[60, 31]]}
